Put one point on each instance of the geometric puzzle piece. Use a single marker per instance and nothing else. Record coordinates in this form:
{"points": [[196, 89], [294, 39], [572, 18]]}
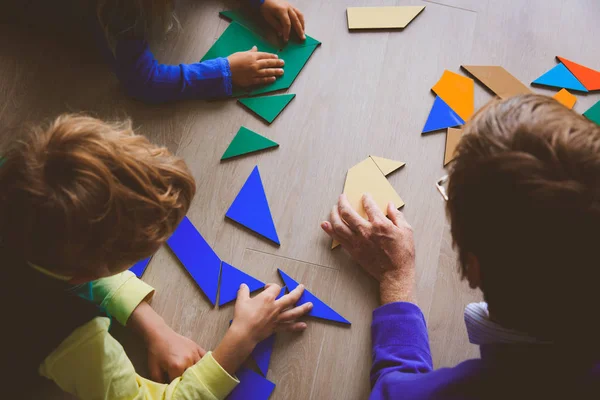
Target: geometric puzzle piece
{"points": [[381, 17], [366, 177], [247, 141], [441, 116], [560, 76], [565, 98], [458, 92], [267, 107], [197, 257], [231, 279], [320, 309], [588, 77], [251, 208], [262, 354], [593, 113], [498, 80], [252, 386], [452, 138], [139, 267], [386, 165]]}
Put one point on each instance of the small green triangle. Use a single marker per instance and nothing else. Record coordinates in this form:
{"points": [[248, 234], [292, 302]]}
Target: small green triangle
{"points": [[267, 107], [247, 141], [593, 113]]}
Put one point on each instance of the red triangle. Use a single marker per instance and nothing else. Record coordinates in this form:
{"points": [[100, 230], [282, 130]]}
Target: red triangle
{"points": [[588, 77]]}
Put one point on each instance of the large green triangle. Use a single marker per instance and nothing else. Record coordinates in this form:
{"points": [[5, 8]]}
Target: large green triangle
{"points": [[247, 141], [593, 113], [267, 107]]}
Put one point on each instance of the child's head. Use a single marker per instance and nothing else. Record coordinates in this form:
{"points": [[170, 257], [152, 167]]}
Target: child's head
{"points": [[524, 204], [85, 198]]}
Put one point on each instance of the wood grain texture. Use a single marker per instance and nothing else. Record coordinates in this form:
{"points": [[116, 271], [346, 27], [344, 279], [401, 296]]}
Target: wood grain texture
{"points": [[360, 94]]}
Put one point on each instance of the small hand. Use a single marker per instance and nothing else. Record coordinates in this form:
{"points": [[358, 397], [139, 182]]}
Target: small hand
{"points": [[172, 353], [282, 16], [252, 67], [383, 246]]}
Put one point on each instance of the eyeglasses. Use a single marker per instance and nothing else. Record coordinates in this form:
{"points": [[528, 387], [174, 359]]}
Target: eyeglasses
{"points": [[441, 185]]}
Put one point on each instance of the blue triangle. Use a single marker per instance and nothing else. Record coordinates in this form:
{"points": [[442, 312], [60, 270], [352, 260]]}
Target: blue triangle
{"points": [[251, 209], [140, 266], [262, 354], [252, 386], [320, 309], [441, 116], [282, 293], [197, 257], [560, 77], [231, 279]]}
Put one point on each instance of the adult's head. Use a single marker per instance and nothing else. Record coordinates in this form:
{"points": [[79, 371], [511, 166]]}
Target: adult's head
{"points": [[84, 198], [524, 205]]}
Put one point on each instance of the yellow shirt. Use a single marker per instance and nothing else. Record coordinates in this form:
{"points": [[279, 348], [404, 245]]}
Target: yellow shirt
{"points": [[91, 364]]}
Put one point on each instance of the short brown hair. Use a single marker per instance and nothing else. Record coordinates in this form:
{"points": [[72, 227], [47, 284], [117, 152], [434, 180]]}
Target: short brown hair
{"points": [[82, 193], [524, 198]]}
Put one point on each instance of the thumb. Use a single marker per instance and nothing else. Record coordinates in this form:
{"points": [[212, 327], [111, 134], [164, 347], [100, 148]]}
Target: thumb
{"points": [[254, 49], [243, 292], [156, 373], [393, 214]]}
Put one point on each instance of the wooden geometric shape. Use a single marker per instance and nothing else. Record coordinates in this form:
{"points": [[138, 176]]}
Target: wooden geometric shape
{"points": [[386, 165], [588, 77], [498, 80], [381, 17], [565, 98], [452, 138], [231, 279], [267, 107], [458, 92], [247, 141], [139, 267], [441, 116], [593, 113], [252, 386], [560, 76]]}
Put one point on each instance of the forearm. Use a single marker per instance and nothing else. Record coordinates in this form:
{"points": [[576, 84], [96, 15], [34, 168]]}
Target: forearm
{"points": [[146, 322], [233, 350]]}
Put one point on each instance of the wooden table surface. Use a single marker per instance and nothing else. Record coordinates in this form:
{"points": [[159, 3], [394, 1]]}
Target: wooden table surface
{"points": [[360, 94]]}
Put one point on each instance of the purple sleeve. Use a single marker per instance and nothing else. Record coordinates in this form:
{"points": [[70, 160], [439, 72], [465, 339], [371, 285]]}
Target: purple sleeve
{"points": [[146, 79], [256, 3], [400, 347]]}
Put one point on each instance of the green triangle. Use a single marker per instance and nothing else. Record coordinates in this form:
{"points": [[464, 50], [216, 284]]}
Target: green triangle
{"points": [[593, 113], [267, 107], [246, 141]]}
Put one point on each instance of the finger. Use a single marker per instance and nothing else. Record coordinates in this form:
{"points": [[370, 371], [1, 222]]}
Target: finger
{"points": [[272, 290], [254, 49], [371, 208], [270, 63], [352, 218], [286, 25], [176, 371], [295, 313], [266, 56], [301, 18], [326, 226], [292, 327], [273, 22], [156, 373], [296, 23], [338, 225], [291, 298], [395, 215], [243, 292], [270, 72], [201, 352], [263, 81]]}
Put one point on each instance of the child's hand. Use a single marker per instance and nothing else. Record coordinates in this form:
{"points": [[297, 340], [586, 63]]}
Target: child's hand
{"points": [[281, 15], [252, 67], [258, 317], [171, 353]]}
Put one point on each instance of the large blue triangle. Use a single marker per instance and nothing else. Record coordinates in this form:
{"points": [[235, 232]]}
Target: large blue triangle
{"points": [[561, 77], [231, 279], [139, 267], [320, 309], [197, 257], [262, 354], [252, 386], [441, 116], [251, 209]]}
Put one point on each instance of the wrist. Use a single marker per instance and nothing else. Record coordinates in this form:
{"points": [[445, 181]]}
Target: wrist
{"points": [[234, 349], [397, 285]]}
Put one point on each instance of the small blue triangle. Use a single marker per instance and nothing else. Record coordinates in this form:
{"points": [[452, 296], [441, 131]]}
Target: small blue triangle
{"points": [[441, 116], [140, 266], [262, 354], [560, 77], [252, 386], [231, 279], [282, 293], [320, 309], [251, 208], [197, 257]]}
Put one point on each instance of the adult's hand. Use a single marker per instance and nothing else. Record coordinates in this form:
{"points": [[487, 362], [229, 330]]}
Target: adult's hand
{"points": [[382, 245], [282, 16], [252, 67]]}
